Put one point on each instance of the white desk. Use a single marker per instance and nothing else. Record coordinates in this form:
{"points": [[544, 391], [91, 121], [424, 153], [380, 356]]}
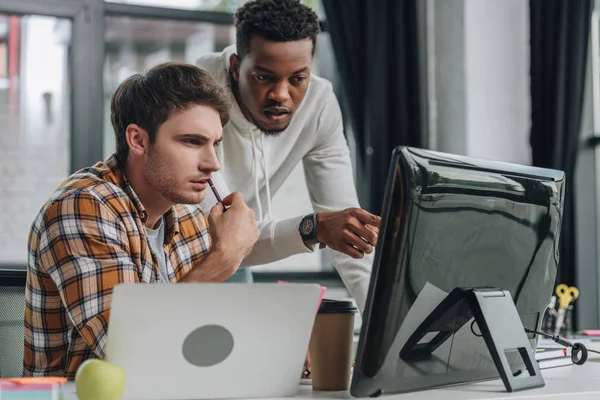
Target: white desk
{"points": [[576, 382]]}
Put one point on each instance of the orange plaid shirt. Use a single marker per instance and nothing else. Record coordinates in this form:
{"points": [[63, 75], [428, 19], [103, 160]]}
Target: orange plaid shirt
{"points": [[87, 238]]}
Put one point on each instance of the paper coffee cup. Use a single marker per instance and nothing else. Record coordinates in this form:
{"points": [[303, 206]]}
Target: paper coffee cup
{"points": [[331, 345]]}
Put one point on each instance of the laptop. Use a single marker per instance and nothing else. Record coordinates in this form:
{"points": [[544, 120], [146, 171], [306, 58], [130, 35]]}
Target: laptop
{"points": [[211, 340]]}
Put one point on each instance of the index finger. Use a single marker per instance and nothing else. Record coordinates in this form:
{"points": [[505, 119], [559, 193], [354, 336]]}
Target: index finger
{"points": [[366, 217], [216, 210], [234, 197]]}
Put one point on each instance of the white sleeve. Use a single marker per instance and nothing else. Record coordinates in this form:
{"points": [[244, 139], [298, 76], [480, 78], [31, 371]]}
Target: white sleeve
{"points": [[278, 239], [330, 182]]}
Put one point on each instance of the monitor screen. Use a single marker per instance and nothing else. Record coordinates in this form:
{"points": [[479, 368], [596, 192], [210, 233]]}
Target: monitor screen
{"points": [[450, 221]]}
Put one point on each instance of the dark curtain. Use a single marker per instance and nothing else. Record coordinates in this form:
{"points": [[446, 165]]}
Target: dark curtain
{"points": [[375, 45], [559, 42]]}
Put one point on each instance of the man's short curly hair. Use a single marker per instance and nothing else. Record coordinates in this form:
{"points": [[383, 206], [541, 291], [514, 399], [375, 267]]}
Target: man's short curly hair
{"points": [[276, 20]]}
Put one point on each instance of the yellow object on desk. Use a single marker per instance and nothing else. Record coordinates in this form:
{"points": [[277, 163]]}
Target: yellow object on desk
{"points": [[566, 294]]}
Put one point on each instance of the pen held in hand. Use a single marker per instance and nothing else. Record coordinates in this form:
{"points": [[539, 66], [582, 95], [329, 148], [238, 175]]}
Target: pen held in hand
{"points": [[214, 190]]}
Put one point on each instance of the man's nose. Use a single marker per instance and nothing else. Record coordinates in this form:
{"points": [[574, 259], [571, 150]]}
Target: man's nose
{"points": [[210, 162], [279, 92]]}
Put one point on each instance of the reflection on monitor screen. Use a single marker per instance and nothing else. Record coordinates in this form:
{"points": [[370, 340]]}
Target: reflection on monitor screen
{"points": [[448, 222]]}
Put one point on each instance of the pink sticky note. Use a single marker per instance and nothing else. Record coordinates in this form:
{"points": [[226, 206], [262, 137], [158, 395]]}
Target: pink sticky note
{"points": [[7, 386], [323, 290], [591, 332]]}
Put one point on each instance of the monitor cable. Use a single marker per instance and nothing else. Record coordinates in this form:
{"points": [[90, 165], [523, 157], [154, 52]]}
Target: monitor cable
{"points": [[579, 353]]}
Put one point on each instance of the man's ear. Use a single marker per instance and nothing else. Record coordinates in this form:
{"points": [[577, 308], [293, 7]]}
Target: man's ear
{"points": [[137, 139], [234, 66]]}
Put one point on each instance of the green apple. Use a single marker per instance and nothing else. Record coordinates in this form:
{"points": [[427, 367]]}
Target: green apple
{"points": [[99, 380]]}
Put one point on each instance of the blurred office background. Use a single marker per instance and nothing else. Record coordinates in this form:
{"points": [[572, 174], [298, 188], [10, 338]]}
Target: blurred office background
{"points": [[511, 80]]}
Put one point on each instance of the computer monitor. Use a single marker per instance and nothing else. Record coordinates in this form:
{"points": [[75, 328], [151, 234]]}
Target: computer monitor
{"points": [[450, 221]]}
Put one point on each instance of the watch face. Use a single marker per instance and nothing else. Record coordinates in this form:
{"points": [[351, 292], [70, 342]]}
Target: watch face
{"points": [[306, 227]]}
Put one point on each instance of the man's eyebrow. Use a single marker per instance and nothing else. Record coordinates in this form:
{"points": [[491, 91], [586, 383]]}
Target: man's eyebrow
{"points": [[300, 70], [263, 69], [258, 67], [193, 136], [198, 136]]}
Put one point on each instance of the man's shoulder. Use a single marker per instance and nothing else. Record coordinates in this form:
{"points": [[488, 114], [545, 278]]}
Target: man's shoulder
{"points": [[83, 205], [216, 64], [90, 187], [320, 100], [320, 85], [319, 94]]}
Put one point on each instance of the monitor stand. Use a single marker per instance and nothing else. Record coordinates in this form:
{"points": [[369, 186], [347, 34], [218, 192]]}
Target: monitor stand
{"points": [[496, 318]]}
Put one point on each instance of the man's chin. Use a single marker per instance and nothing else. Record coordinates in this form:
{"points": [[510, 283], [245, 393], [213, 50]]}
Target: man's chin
{"points": [[188, 198], [271, 130]]}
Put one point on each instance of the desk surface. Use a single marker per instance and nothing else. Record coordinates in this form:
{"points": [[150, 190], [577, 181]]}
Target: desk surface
{"points": [[577, 382]]}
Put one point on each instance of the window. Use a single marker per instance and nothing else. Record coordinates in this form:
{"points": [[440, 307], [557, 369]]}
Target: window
{"points": [[34, 123]]}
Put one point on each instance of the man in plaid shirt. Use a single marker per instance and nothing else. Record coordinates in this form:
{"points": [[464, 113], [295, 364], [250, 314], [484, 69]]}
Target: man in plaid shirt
{"points": [[134, 218]]}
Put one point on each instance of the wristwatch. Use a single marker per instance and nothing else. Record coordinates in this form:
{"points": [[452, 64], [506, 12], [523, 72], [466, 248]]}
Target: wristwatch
{"points": [[308, 228]]}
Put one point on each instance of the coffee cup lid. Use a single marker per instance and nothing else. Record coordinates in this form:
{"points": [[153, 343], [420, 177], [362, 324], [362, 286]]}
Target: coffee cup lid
{"points": [[330, 306]]}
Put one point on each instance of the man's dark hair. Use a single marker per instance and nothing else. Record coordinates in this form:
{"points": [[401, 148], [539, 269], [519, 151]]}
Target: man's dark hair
{"points": [[148, 100], [275, 20]]}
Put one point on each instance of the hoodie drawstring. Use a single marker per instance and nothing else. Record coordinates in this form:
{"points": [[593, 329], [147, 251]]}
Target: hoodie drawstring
{"points": [[265, 173], [255, 174]]}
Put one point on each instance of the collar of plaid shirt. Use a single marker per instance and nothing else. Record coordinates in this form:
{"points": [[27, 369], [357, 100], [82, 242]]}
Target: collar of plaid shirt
{"points": [[89, 237]]}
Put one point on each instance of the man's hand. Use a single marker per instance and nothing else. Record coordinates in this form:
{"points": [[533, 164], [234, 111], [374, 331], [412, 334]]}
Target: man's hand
{"points": [[352, 231], [233, 232]]}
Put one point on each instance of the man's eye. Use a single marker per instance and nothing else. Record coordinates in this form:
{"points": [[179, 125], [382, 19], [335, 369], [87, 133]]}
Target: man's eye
{"points": [[299, 79], [194, 142], [262, 78]]}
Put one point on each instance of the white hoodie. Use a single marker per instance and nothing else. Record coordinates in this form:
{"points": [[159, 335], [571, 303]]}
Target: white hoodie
{"points": [[258, 166]]}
